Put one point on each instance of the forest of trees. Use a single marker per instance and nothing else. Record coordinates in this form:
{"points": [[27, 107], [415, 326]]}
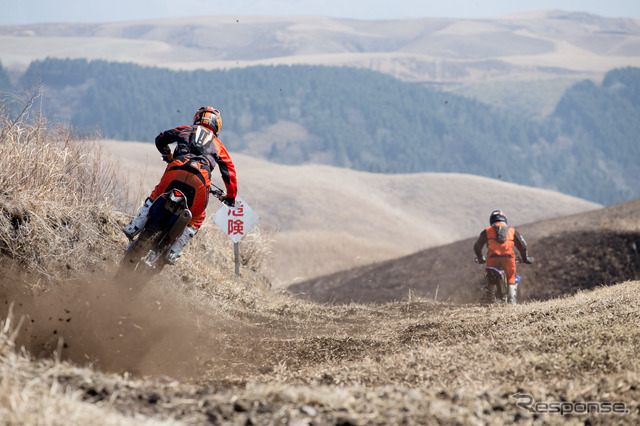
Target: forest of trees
{"points": [[589, 147]]}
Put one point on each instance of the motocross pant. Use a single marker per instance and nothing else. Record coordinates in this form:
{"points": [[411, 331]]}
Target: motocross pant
{"points": [[507, 264], [193, 179]]}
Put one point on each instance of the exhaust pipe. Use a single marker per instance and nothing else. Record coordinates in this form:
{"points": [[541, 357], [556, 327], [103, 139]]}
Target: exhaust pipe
{"points": [[178, 227]]}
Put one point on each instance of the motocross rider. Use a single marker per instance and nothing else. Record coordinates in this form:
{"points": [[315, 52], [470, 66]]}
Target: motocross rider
{"points": [[189, 168], [500, 239]]}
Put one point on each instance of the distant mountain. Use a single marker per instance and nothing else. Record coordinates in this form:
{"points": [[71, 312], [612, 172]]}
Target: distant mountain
{"points": [[516, 68], [429, 50]]}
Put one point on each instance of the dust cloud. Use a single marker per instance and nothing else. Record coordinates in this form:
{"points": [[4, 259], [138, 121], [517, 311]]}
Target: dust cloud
{"points": [[116, 326]]}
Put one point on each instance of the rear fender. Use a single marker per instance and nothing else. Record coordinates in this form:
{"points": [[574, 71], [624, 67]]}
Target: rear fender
{"points": [[178, 206], [158, 208], [176, 201], [494, 273], [167, 208]]}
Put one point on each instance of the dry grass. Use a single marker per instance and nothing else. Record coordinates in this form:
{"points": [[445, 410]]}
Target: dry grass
{"points": [[57, 197], [418, 362], [423, 361], [241, 353], [476, 347]]}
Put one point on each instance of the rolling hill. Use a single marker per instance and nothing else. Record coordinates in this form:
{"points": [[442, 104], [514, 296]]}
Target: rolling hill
{"points": [[325, 219], [575, 252], [520, 65], [442, 51], [522, 62], [292, 115]]}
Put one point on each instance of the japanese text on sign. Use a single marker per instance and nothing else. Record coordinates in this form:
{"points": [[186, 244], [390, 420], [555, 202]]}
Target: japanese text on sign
{"points": [[237, 221]]}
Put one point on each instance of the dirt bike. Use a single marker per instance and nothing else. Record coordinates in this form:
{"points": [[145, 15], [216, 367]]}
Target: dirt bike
{"points": [[496, 289], [169, 215]]}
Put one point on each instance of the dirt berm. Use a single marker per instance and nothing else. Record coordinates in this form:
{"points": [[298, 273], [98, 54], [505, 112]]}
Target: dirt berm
{"points": [[575, 252]]}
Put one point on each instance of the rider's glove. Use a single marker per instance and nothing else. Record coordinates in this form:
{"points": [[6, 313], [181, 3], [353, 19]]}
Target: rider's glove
{"points": [[229, 201], [167, 158], [481, 259], [528, 260]]}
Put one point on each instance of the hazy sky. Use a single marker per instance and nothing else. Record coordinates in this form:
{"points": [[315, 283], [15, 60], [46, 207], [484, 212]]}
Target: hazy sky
{"points": [[39, 11]]}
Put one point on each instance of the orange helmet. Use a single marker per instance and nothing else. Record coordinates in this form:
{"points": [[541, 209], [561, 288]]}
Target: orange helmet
{"points": [[208, 117]]}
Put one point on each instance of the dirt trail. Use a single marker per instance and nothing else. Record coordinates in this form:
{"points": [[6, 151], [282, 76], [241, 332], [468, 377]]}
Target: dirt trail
{"points": [[403, 363], [284, 360]]}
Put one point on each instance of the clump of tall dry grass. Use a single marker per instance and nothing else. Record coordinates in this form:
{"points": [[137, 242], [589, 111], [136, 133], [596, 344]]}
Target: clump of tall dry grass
{"points": [[57, 193]]}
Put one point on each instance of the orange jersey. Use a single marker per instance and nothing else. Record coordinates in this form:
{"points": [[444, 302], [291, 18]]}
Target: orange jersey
{"points": [[500, 253], [209, 150], [497, 248]]}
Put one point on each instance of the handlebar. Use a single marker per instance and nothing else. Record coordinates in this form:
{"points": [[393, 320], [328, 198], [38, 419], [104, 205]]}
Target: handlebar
{"points": [[222, 196], [217, 192], [518, 260]]}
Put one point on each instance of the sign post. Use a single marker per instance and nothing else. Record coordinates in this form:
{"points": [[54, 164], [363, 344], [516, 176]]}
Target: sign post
{"points": [[236, 222]]}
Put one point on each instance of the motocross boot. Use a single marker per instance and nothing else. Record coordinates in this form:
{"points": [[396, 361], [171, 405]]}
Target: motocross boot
{"points": [[511, 294], [135, 226], [175, 251]]}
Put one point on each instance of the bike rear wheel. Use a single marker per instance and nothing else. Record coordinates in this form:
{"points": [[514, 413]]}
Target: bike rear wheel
{"points": [[133, 261], [496, 285]]}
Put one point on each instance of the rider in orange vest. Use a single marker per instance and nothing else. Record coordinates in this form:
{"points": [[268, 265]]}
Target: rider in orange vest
{"points": [[500, 238]]}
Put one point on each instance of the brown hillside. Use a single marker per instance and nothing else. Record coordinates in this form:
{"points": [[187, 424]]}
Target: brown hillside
{"points": [[282, 361], [581, 251]]}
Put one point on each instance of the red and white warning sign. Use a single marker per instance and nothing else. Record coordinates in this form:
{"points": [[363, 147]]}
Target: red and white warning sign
{"points": [[236, 221]]}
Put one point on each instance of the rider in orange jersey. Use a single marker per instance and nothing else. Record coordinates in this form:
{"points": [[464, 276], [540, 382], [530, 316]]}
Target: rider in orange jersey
{"points": [[196, 154], [500, 238]]}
